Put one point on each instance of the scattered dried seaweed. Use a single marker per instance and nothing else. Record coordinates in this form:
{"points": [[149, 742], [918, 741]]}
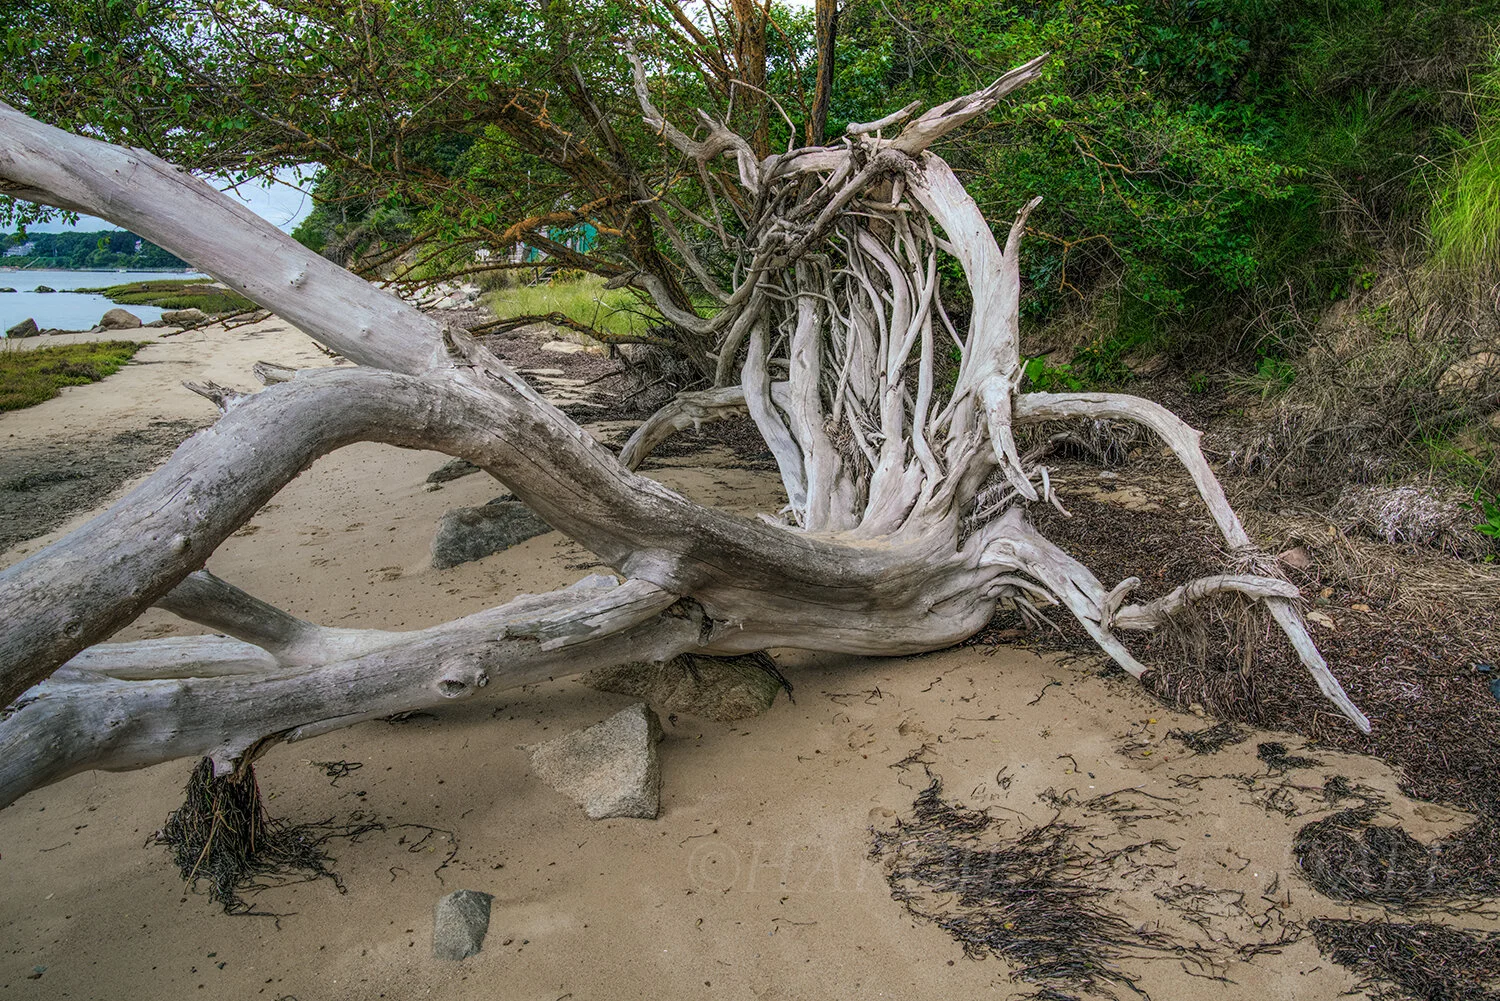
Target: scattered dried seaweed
{"points": [[1034, 900], [1411, 659], [1402, 962], [1211, 909], [221, 835], [1279, 761], [1347, 857], [1210, 739], [336, 770]]}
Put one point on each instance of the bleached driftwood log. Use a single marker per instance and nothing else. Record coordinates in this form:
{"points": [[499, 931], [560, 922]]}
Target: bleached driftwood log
{"points": [[905, 520]]}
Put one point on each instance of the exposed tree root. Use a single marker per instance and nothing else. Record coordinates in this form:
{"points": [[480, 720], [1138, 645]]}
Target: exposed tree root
{"points": [[906, 517]]}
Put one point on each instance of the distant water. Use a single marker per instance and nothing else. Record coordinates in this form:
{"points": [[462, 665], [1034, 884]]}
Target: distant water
{"points": [[65, 310]]}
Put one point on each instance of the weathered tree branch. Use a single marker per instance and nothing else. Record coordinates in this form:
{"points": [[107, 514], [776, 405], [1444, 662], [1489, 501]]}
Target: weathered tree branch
{"points": [[90, 716], [906, 516]]}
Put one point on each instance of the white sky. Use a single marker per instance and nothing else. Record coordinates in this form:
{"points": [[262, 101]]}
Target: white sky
{"points": [[283, 203]]}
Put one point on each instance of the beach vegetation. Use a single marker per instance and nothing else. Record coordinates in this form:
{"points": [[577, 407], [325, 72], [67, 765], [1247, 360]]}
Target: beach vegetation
{"points": [[177, 293], [29, 376]]}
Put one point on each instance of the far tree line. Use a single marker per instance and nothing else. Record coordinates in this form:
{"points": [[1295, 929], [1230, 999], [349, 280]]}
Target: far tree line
{"points": [[77, 251]]}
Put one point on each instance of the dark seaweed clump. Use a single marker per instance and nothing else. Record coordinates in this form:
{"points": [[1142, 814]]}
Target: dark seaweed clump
{"points": [[222, 836], [1346, 857], [1210, 739], [1032, 899], [1399, 962]]}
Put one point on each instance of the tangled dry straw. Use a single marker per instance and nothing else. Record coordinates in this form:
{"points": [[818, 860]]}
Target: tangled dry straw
{"points": [[1396, 381]]}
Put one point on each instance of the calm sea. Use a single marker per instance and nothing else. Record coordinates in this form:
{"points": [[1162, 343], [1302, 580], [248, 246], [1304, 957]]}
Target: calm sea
{"points": [[66, 310]]}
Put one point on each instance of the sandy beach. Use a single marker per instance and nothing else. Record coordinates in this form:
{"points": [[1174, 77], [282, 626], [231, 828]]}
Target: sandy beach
{"points": [[757, 880]]}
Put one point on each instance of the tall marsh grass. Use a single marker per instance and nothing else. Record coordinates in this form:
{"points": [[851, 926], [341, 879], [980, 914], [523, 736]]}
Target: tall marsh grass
{"points": [[1465, 217], [29, 376], [584, 300]]}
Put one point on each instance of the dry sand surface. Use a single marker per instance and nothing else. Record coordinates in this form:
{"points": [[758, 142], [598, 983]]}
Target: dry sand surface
{"points": [[755, 882]]}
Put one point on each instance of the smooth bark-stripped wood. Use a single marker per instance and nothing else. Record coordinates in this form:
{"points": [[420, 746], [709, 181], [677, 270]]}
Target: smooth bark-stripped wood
{"points": [[1184, 443], [906, 517], [103, 711], [98, 578], [187, 217]]}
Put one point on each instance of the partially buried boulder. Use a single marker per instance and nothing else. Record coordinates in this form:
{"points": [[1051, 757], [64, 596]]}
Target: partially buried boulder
{"points": [[611, 769], [26, 328], [472, 533], [184, 317], [119, 319], [44, 288], [722, 689], [459, 924]]}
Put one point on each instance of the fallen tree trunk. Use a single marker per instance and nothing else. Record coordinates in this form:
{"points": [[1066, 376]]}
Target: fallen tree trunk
{"points": [[106, 710], [905, 521]]}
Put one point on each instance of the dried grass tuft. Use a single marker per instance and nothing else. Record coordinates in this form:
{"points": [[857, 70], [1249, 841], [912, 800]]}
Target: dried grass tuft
{"points": [[1425, 514]]}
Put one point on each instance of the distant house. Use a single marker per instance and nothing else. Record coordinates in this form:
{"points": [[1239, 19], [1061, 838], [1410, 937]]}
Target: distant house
{"points": [[21, 250]]}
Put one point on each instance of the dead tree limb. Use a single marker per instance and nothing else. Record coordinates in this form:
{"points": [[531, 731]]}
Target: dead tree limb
{"points": [[906, 516]]}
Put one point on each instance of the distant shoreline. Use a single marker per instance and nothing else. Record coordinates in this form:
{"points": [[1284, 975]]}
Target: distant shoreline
{"points": [[106, 271]]}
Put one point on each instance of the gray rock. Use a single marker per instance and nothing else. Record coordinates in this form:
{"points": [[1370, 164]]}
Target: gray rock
{"points": [[459, 924], [723, 689], [472, 533], [612, 768], [119, 319], [184, 317], [44, 288], [26, 328], [7, 290]]}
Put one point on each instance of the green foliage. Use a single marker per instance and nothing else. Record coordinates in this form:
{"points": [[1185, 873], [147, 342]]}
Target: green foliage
{"points": [[1216, 172], [29, 376], [1275, 375], [190, 293], [1042, 377], [1465, 215], [583, 299], [1219, 164], [1489, 510], [102, 250]]}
